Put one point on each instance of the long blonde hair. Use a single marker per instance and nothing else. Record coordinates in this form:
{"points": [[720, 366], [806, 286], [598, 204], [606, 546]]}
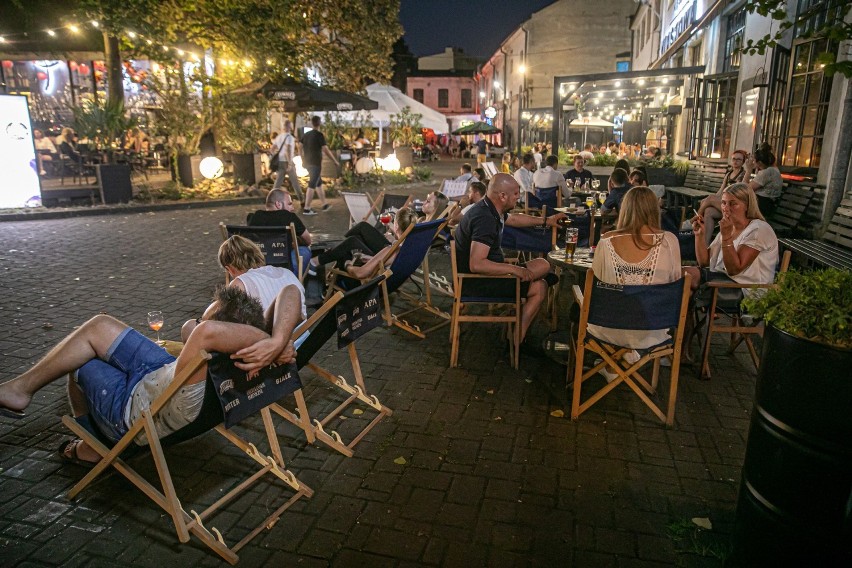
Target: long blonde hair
{"points": [[639, 208], [745, 194], [240, 253]]}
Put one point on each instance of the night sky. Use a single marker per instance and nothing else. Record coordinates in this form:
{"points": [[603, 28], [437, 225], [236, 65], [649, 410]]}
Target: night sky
{"points": [[476, 26]]}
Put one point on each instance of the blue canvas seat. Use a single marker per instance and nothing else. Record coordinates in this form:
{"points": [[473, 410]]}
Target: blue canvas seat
{"points": [[643, 308]]}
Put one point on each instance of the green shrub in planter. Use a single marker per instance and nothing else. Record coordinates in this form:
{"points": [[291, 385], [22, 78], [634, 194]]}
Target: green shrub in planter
{"points": [[815, 305]]}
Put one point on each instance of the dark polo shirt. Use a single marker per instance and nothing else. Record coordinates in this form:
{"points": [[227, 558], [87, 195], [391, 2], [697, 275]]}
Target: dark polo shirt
{"points": [[482, 224], [277, 218]]}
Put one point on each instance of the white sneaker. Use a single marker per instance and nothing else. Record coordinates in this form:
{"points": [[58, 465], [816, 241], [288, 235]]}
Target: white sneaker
{"points": [[631, 356], [608, 375], [308, 212]]}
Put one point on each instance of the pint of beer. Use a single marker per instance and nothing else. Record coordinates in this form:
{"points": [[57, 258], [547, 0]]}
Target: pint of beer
{"points": [[570, 243]]}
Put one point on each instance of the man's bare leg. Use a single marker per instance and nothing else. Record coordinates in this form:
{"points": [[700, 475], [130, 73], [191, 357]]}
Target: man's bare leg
{"points": [[321, 194], [309, 196], [89, 341], [535, 296], [539, 267]]}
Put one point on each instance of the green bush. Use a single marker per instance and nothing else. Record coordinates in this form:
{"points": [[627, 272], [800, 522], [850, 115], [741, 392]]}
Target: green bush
{"points": [[422, 173], [815, 305]]}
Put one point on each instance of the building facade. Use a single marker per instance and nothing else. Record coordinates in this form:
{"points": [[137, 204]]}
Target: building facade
{"points": [[569, 37], [444, 82]]}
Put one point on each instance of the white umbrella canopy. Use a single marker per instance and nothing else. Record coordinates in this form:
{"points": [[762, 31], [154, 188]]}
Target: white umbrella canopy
{"points": [[391, 101], [581, 123]]}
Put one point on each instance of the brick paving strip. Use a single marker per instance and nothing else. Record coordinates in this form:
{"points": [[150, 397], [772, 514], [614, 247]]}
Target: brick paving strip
{"points": [[490, 477]]}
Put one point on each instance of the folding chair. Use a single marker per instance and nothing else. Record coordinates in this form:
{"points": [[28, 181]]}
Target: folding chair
{"points": [[361, 208], [657, 306], [725, 301], [394, 201], [349, 315], [215, 414], [279, 245], [461, 300], [454, 190], [490, 169]]}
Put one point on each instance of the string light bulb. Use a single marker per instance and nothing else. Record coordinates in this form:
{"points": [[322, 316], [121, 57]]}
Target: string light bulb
{"points": [[2, 39], [131, 35], [51, 33], [95, 24], [74, 29]]}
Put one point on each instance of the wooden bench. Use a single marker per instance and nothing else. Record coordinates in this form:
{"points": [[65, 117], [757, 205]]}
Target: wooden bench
{"points": [[704, 178], [798, 210], [835, 247]]}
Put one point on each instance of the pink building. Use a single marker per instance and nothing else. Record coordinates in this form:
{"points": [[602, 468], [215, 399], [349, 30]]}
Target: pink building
{"points": [[444, 82]]}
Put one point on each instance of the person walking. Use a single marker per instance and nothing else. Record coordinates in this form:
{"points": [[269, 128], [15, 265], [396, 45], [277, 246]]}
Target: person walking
{"points": [[285, 146], [313, 148]]}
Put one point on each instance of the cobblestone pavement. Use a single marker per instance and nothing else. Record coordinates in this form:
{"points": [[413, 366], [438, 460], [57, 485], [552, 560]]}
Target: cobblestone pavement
{"points": [[490, 477]]}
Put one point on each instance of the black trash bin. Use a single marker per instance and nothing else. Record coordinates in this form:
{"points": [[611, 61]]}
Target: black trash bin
{"points": [[795, 497]]}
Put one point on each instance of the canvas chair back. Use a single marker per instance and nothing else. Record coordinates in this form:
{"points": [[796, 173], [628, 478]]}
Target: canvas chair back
{"points": [[393, 201], [490, 169], [454, 190], [278, 244], [412, 251], [360, 208]]}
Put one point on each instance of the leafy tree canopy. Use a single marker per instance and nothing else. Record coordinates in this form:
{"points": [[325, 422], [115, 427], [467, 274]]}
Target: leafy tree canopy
{"points": [[836, 29], [349, 42]]}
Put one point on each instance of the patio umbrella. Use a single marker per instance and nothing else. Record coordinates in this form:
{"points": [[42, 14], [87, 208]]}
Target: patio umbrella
{"points": [[298, 96], [586, 123], [478, 128]]}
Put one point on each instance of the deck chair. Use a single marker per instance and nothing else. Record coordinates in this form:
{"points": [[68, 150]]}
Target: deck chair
{"points": [[361, 207], [725, 302], [277, 244], [349, 315], [454, 190], [393, 201], [462, 300], [659, 306], [490, 169], [216, 414]]}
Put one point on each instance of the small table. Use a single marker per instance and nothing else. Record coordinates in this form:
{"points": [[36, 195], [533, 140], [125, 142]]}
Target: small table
{"points": [[582, 260], [558, 345]]}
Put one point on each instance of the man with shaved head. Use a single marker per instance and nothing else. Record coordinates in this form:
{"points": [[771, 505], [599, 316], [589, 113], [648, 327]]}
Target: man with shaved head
{"points": [[478, 240]]}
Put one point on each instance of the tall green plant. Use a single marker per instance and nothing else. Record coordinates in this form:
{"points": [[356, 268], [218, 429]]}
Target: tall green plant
{"points": [[102, 122], [242, 121], [336, 130], [406, 128], [185, 114], [815, 305]]}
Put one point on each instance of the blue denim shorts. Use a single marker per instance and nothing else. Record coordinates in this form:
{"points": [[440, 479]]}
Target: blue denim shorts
{"points": [[314, 178], [108, 384]]}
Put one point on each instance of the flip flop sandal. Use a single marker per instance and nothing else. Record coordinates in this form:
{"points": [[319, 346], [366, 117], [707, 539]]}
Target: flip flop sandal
{"points": [[68, 452], [9, 413]]}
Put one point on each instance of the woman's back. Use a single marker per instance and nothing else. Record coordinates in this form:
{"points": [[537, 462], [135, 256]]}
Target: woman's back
{"points": [[654, 260]]}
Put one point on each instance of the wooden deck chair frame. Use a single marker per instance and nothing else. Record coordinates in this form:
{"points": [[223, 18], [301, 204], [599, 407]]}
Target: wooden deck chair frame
{"points": [[736, 327], [513, 320], [294, 245], [628, 373], [315, 429], [184, 522]]}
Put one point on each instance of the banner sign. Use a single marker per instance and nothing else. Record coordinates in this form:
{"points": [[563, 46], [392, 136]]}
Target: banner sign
{"points": [[241, 396], [357, 313], [17, 154]]}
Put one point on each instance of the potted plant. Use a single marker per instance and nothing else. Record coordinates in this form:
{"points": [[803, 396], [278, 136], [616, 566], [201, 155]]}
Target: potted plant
{"points": [[794, 495], [103, 123], [335, 130], [406, 131], [243, 123], [665, 170]]}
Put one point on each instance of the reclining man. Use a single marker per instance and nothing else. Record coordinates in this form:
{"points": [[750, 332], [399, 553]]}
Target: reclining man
{"points": [[115, 372], [478, 240]]}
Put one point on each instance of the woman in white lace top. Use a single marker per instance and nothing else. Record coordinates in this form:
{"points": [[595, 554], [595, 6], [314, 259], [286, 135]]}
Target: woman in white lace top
{"points": [[636, 252]]}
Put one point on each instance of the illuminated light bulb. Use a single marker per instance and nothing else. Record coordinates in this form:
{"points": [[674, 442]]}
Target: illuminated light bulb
{"points": [[390, 163], [211, 167], [522, 69], [95, 24], [665, 79], [131, 35], [149, 42], [247, 63], [165, 48], [269, 62], [179, 52], [74, 29], [618, 94], [641, 81], [51, 33], [618, 83], [2, 39]]}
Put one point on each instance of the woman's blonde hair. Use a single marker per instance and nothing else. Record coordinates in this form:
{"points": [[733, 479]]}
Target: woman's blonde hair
{"points": [[745, 194], [405, 217], [639, 208], [241, 254], [441, 202]]}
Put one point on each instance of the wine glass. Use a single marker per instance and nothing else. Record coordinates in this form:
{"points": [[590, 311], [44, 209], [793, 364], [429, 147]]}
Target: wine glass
{"points": [[602, 197], [596, 183], [385, 218], [590, 201], [155, 322]]}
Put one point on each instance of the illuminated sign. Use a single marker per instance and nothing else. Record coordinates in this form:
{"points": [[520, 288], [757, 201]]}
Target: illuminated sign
{"points": [[684, 16], [17, 153], [283, 96]]}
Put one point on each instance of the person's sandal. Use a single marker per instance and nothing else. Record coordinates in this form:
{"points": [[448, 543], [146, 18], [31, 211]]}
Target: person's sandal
{"points": [[68, 452]]}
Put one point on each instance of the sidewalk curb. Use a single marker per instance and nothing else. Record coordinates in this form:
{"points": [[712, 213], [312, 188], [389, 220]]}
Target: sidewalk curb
{"points": [[126, 209]]}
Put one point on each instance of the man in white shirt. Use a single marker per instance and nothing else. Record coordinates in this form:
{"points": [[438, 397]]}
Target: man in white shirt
{"points": [[549, 177], [466, 173], [285, 146], [537, 156], [587, 153], [524, 176]]}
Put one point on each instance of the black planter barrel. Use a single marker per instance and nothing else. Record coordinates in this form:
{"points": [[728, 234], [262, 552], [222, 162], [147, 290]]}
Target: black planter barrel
{"points": [[244, 168], [795, 498], [185, 170]]}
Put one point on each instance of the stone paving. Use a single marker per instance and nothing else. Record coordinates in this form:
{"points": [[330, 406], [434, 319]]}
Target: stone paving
{"points": [[490, 477]]}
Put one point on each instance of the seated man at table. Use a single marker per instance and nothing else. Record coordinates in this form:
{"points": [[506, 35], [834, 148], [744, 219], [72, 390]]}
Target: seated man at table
{"points": [[478, 239], [524, 176], [115, 373], [466, 172], [578, 175], [45, 150], [280, 212], [619, 185], [548, 181]]}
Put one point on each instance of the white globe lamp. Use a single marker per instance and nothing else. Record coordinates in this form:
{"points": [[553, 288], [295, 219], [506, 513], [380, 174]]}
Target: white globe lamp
{"points": [[211, 167]]}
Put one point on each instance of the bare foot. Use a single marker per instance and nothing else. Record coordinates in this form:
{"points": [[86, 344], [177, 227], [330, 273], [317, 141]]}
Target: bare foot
{"points": [[12, 398]]}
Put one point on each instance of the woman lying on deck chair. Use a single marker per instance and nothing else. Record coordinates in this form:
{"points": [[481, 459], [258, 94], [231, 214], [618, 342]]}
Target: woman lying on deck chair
{"points": [[115, 372], [365, 243]]}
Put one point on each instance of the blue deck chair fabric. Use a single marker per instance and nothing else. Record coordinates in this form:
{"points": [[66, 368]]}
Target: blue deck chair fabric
{"points": [[544, 196], [411, 253], [647, 307], [526, 239]]}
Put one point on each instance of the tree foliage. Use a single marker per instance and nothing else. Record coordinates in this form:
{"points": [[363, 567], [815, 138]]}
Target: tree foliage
{"points": [[347, 41], [836, 30]]}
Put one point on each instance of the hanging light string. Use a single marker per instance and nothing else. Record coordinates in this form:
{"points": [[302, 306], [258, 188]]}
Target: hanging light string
{"points": [[133, 37]]}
